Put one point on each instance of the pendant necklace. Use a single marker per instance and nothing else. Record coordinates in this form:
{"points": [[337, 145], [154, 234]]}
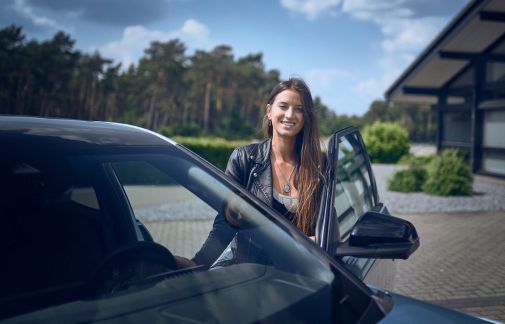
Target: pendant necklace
{"points": [[287, 187]]}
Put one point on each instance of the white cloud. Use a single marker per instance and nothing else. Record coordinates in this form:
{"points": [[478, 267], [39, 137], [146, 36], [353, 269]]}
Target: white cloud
{"points": [[410, 35], [405, 34], [369, 9], [135, 39], [26, 11], [403, 31], [311, 8]]}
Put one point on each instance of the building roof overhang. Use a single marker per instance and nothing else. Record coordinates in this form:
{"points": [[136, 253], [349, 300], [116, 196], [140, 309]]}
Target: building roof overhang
{"points": [[479, 26]]}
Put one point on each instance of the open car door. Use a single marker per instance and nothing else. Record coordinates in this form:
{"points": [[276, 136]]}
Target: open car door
{"points": [[353, 226]]}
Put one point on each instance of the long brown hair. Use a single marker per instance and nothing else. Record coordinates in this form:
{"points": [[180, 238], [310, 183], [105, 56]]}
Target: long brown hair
{"points": [[308, 174]]}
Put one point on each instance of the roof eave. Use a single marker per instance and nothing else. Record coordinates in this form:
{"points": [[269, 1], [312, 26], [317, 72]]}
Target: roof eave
{"points": [[435, 45]]}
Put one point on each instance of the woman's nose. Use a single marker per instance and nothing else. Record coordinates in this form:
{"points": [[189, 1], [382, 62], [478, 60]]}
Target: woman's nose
{"points": [[290, 112]]}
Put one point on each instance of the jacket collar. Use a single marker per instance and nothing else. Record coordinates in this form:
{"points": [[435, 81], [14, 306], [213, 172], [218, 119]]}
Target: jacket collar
{"points": [[262, 154]]}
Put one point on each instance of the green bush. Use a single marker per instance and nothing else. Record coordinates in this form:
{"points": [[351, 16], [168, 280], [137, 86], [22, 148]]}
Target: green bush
{"points": [[386, 142], [408, 180], [448, 175], [215, 150], [417, 161]]}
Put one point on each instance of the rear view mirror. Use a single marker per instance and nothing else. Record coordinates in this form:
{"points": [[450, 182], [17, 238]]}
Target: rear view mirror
{"points": [[380, 236]]}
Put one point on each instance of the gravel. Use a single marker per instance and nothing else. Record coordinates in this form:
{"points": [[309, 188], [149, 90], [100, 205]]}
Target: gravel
{"points": [[194, 209], [486, 197]]}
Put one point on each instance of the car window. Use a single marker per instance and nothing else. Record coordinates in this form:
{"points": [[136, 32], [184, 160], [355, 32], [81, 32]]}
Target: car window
{"points": [[266, 262], [85, 196], [175, 217], [178, 201], [353, 193], [54, 229]]}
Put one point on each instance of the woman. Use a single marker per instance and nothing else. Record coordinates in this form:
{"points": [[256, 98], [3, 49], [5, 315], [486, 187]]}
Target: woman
{"points": [[284, 170]]}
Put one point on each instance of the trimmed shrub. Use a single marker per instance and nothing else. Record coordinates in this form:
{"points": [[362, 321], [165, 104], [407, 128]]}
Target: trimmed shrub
{"points": [[448, 175], [215, 150], [408, 180], [386, 142], [416, 161]]}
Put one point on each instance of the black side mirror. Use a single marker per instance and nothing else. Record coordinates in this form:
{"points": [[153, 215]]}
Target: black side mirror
{"points": [[380, 236]]}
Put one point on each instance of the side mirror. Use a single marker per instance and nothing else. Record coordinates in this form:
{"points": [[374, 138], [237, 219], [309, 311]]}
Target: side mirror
{"points": [[381, 237]]}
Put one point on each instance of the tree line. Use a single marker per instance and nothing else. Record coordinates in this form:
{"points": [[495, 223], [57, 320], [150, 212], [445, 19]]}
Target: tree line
{"points": [[209, 93]]}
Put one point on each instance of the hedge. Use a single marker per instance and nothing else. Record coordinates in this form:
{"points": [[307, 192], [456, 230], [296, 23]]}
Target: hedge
{"points": [[215, 150]]}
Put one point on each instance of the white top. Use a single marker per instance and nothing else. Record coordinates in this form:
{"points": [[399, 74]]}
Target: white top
{"points": [[291, 203]]}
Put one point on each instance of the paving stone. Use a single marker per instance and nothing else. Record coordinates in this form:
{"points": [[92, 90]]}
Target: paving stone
{"points": [[460, 263], [450, 271]]}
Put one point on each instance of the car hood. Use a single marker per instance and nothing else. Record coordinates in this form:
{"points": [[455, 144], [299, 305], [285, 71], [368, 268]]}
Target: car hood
{"points": [[410, 310]]}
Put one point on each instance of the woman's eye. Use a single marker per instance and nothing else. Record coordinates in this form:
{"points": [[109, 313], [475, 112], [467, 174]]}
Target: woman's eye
{"points": [[299, 109]]}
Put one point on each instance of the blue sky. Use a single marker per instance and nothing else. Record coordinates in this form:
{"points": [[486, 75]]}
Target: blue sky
{"points": [[348, 51]]}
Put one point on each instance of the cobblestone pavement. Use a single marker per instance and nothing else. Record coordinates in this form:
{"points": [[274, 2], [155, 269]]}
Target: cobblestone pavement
{"points": [[460, 263], [181, 237]]}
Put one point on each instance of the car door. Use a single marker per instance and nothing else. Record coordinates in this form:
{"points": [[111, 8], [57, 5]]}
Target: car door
{"points": [[349, 193]]}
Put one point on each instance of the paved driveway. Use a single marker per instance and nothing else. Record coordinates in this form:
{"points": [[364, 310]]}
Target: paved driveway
{"points": [[460, 263]]}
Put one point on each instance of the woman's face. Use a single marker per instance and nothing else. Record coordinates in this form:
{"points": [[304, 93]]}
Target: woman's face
{"points": [[286, 114]]}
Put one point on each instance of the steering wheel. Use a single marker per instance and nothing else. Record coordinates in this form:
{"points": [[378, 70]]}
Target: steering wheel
{"points": [[131, 263]]}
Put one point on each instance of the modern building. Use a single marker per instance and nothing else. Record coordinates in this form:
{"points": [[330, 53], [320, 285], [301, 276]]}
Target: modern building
{"points": [[462, 74]]}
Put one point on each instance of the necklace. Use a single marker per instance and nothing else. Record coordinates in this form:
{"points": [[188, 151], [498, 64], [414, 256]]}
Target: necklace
{"points": [[287, 187]]}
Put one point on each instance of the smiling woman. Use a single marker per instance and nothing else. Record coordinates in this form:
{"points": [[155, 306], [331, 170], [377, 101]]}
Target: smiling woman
{"points": [[284, 171], [292, 126]]}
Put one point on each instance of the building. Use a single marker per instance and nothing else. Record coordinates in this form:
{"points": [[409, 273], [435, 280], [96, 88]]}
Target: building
{"points": [[462, 74]]}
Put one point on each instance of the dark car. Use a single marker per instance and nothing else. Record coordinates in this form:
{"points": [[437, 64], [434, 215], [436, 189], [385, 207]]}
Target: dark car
{"points": [[97, 219]]}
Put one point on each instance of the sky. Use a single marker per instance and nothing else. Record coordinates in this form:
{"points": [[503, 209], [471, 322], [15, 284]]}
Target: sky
{"points": [[348, 51]]}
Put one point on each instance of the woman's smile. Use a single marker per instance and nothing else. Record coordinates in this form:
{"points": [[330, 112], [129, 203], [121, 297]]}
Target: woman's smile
{"points": [[286, 114]]}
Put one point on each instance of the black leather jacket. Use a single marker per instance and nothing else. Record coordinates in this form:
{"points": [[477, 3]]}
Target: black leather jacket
{"points": [[250, 166]]}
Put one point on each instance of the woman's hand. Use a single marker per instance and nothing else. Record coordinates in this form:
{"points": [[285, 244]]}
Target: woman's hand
{"points": [[183, 262]]}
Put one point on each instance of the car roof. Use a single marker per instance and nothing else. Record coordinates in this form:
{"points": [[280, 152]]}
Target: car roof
{"points": [[73, 135]]}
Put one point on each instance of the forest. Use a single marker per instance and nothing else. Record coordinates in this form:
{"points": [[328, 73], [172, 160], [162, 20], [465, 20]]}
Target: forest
{"points": [[207, 93]]}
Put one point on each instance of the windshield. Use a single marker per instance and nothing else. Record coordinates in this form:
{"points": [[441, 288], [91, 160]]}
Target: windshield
{"points": [[259, 271]]}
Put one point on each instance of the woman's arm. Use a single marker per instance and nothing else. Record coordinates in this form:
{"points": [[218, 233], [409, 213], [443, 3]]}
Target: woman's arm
{"points": [[222, 233]]}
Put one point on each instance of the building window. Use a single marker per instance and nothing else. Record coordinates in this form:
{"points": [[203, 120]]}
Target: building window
{"points": [[456, 127], [494, 125], [495, 72], [494, 162]]}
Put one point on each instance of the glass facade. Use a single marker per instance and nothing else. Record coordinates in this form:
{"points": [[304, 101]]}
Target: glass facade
{"points": [[494, 129], [456, 126], [493, 138], [494, 162]]}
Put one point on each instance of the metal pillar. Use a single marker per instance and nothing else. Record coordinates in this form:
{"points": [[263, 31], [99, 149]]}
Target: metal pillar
{"points": [[476, 117], [442, 102]]}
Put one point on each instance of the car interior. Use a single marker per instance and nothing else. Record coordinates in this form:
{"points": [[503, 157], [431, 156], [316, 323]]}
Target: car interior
{"points": [[45, 227]]}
